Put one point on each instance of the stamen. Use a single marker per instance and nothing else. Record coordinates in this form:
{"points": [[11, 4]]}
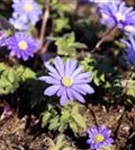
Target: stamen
{"points": [[99, 138], [22, 45], [67, 81]]}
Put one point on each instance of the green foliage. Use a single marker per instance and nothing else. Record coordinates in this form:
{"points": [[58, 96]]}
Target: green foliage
{"points": [[48, 115], [11, 77], [69, 116], [60, 24], [59, 143], [99, 67], [60, 16], [60, 7], [129, 84], [67, 46]]}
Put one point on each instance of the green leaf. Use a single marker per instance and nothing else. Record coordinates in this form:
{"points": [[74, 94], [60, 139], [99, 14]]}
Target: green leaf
{"points": [[73, 126], [54, 123], [67, 46], [60, 24], [100, 68], [11, 75], [75, 109], [80, 121], [65, 116], [45, 119], [102, 77], [28, 74], [63, 127], [79, 45]]}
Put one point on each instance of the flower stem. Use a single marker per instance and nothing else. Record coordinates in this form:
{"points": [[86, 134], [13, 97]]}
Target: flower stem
{"points": [[44, 23], [104, 38]]}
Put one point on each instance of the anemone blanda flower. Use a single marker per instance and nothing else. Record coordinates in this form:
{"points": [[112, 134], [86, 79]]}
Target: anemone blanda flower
{"points": [[22, 45], [130, 29], [102, 1], [3, 38], [130, 52], [117, 14], [27, 10], [99, 137], [18, 24], [67, 81]]}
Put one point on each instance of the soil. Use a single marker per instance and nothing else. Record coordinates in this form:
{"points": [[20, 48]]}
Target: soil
{"points": [[14, 136]]}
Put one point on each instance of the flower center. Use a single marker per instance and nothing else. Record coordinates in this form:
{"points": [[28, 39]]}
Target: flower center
{"points": [[28, 7], [120, 17], [105, 16], [104, 1], [17, 26], [99, 138], [22, 45], [67, 81], [129, 28]]}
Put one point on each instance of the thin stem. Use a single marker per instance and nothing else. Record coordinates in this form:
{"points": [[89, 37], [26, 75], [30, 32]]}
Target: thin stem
{"points": [[43, 29], [104, 38], [45, 47], [44, 23], [119, 124], [94, 115]]}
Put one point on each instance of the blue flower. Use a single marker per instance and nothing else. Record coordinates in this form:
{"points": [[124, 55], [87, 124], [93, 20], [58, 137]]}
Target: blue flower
{"points": [[67, 81], [130, 52], [3, 38], [27, 11], [18, 24], [22, 45], [102, 1], [99, 137], [117, 14], [130, 29]]}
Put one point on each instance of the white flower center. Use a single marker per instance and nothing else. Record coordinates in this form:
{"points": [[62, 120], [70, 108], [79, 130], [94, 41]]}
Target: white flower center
{"points": [[67, 81], [99, 138], [104, 1], [17, 26], [129, 28], [120, 17], [22, 45], [28, 7]]}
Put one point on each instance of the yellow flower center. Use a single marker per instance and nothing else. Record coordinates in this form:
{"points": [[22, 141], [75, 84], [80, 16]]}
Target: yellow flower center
{"points": [[99, 138], [129, 28], [22, 45], [120, 17], [28, 7], [105, 16], [67, 81]]}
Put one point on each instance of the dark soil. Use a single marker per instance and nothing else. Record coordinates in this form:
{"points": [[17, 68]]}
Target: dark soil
{"points": [[14, 136]]}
